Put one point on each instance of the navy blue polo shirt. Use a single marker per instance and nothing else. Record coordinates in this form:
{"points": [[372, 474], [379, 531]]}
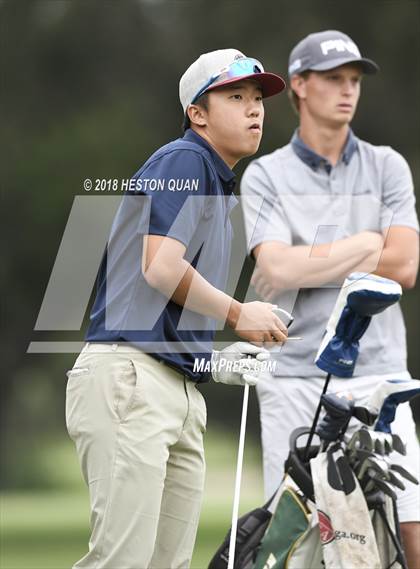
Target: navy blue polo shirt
{"points": [[183, 191]]}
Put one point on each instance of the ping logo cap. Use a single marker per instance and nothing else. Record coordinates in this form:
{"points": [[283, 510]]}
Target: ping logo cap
{"points": [[325, 50]]}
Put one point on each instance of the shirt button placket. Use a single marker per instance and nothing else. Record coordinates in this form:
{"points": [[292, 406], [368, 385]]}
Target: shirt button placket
{"points": [[340, 202]]}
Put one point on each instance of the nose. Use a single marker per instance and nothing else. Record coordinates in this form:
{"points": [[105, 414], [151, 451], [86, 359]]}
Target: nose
{"points": [[349, 87], [255, 109]]}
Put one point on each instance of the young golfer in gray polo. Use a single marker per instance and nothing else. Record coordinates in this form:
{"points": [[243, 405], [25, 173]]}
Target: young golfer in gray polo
{"points": [[333, 204], [133, 408]]}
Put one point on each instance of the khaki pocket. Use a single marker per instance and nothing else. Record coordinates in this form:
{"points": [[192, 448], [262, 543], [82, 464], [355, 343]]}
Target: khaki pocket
{"points": [[78, 377], [76, 373], [202, 410], [127, 383]]}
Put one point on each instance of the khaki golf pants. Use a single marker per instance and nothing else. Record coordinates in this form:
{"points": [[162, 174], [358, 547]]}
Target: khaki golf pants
{"points": [[138, 428]]}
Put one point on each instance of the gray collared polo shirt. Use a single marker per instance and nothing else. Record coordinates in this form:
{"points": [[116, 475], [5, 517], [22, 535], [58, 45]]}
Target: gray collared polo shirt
{"points": [[297, 197]]}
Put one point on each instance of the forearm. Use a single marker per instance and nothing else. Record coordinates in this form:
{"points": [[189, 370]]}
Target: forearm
{"points": [[395, 265], [306, 267], [186, 287]]}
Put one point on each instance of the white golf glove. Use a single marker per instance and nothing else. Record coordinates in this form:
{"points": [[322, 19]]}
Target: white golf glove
{"points": [[233, 366]]}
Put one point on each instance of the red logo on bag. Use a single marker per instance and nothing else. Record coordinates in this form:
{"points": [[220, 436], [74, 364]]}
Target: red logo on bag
{"points": [[325, 528]]}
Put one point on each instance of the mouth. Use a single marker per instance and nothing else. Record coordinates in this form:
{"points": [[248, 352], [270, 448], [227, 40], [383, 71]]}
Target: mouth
{"points": [[345, 106], [255, 127]]}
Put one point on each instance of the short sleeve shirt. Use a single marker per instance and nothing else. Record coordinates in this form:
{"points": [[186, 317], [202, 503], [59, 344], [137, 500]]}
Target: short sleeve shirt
{"points": [[298, 198], [183, 191]]}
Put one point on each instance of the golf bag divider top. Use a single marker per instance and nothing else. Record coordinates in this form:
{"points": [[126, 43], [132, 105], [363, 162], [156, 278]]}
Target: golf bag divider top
{"points": [[296, 467], [251, 528], [292, 537]]}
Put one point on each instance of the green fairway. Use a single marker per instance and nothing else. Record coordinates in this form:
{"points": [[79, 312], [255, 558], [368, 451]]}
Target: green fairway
{"points": [[50, 529]]}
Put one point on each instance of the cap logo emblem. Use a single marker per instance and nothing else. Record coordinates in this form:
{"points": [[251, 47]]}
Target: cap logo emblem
{"points": [[339, 45], [295, 65]]}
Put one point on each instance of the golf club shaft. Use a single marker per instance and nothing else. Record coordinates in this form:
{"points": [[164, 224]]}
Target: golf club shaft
{"points": [[400, 552], [314, 424], [235, 510]]}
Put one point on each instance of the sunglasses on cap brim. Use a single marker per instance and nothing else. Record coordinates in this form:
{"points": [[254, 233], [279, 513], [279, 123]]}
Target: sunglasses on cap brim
{"points": [[239, 68]]}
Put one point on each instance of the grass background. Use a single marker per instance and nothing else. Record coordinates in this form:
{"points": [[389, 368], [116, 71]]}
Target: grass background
{"points": [[49, 529]]}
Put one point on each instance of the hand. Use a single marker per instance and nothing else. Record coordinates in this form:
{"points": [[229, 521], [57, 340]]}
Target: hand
{"points": [[232, 366], [373, 244], [372, 241], [258, 324], [262, 286]]}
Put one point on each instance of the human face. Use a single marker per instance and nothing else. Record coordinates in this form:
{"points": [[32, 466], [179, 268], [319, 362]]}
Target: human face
{"points": [[331, 96], [233, 122]]}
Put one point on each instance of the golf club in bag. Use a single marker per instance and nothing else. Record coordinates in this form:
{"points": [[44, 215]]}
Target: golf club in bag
{"points": [[296, 532]]}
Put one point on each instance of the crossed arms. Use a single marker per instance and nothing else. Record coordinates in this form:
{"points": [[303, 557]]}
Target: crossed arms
{"points": [[394, 255]]}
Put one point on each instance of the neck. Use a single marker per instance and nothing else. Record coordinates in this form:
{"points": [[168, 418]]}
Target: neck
{"points": [[327, 141], [231, 161]]}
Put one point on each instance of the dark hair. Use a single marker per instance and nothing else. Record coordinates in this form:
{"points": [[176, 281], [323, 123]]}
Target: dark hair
{"points": [[293, 97], [202, 101]]}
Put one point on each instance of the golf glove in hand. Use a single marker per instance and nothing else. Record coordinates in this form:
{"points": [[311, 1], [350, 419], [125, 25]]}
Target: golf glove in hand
{"points": [[233, 366]]}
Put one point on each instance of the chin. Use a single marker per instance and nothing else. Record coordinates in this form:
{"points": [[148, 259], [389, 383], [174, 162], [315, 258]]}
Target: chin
{"points": [[341, 120], [252, 149], [345, 116]]}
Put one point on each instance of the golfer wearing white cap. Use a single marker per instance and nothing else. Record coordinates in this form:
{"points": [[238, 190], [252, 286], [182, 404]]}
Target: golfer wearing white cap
{"points": [[132, 406], [334, 204]]}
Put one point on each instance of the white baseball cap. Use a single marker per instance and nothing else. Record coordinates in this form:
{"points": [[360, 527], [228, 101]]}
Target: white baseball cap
{"points": [[221, 67]]}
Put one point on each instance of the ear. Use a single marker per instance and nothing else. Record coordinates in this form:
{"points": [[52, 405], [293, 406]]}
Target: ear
{"points": [[197, 115], [298, 85]]}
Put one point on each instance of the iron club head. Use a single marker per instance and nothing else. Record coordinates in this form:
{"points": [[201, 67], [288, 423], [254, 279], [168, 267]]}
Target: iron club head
{"points": [[396, 480], [376, 464], [407, 474], [377, 483], [398, 444]]}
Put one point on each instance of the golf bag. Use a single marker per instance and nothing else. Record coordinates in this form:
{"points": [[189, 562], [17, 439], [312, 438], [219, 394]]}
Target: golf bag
{"points": [[292, 538], [251, 529], [308, 522]]}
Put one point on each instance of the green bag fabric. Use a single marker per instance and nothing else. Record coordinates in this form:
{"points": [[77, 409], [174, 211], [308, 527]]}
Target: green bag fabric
{"points": [[288, 524]]}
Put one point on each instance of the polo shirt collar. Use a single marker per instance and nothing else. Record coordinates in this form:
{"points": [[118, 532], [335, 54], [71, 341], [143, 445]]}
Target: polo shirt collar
{"points": [[225, 173], [314, 160]]}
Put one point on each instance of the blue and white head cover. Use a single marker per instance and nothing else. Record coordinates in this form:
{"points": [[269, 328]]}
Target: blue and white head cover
{"points": [[361, 297], [386, 398]]}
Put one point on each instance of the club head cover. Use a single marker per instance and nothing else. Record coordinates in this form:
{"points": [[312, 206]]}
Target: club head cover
{"points": [[364, 415], [386, 398], [361, 297], [338, 412]]}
